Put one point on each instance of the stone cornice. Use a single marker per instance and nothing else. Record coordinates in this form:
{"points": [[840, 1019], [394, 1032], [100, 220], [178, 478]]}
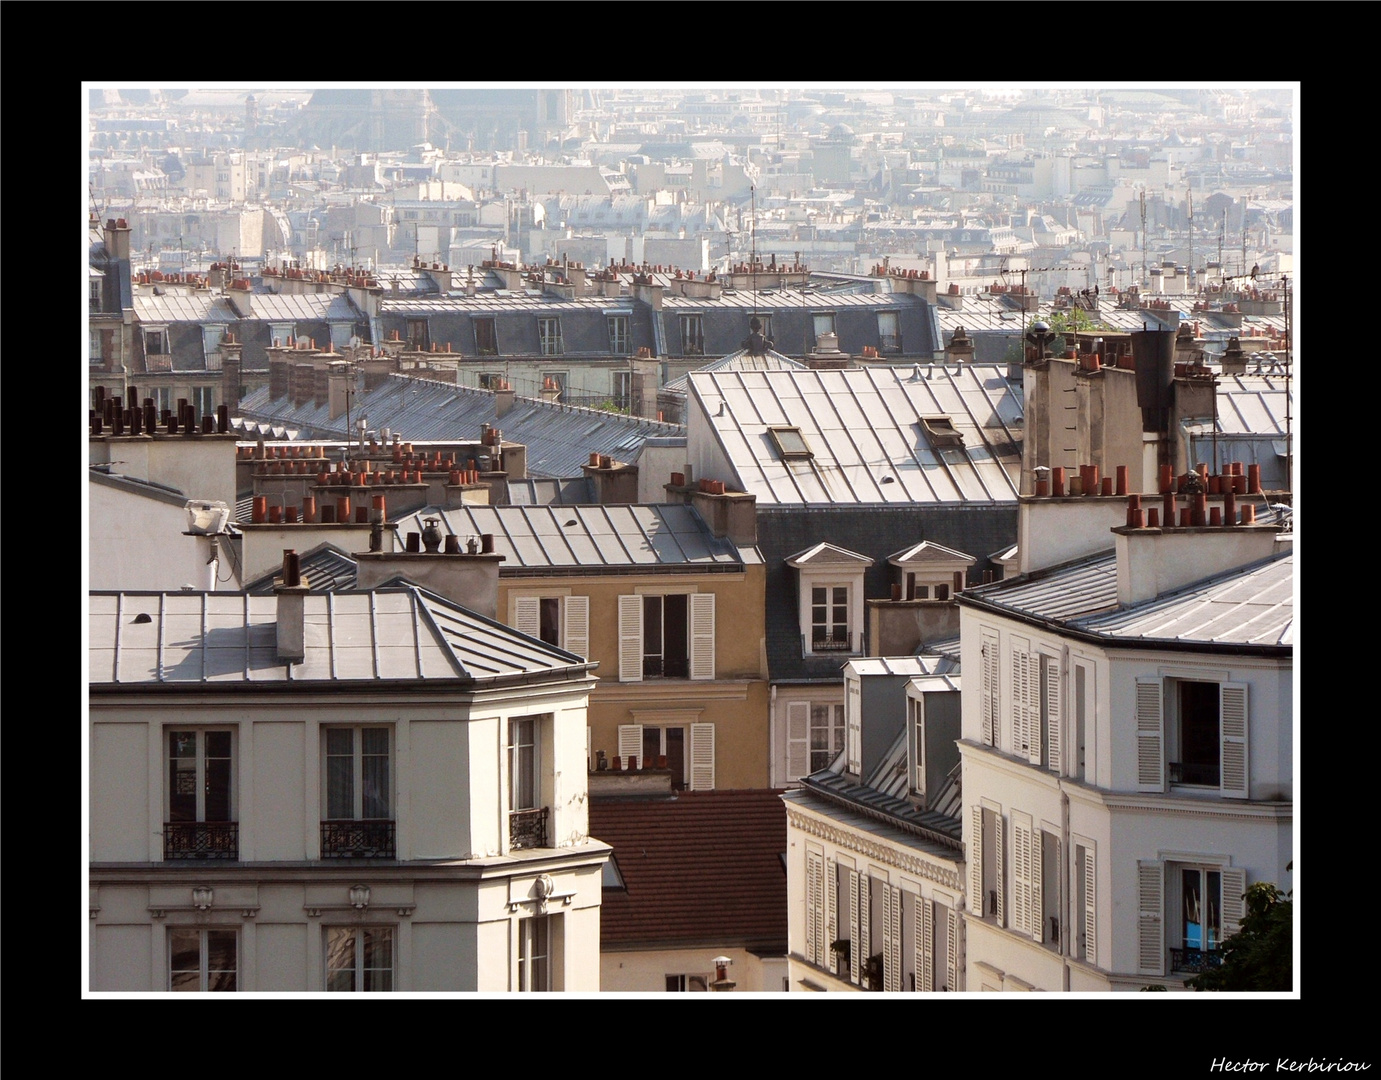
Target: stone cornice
{"points": [[903, 859]]}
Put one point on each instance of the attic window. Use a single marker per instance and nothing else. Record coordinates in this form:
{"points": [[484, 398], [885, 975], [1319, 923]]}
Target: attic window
{"points": [[941, 433], [791, 445]]}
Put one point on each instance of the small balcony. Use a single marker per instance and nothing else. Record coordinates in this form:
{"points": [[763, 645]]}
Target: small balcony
{"points": [[527, 828], [1193, 961], [1186, 772], [201, 840], [363, 839]]}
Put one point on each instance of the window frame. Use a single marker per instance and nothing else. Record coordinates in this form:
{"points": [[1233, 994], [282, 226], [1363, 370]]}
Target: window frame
{"points": [[201, 780], [523, 754], [620, 334], [536, 934], [822, 322], [692, 327], [204, 398], [360, 974], [486, 344], [358, 755], [204, 970], [700, 634], [889, 343], [831, 605], [549, 341], [418, 335]]}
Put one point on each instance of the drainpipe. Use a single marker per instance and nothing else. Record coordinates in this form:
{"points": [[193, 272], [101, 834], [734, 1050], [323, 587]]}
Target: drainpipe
{"points": [[772, 732]]}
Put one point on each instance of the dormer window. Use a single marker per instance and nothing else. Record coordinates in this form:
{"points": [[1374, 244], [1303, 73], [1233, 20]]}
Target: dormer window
{"points": [[941, 432], [831, 599], [930, 571], [790, 443]]}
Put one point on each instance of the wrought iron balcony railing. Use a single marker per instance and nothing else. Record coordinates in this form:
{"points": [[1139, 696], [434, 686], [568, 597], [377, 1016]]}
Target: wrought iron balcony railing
{"points": [[527, 828], [201, 840], [1193, 961], [364, 839], [1183, 772]]}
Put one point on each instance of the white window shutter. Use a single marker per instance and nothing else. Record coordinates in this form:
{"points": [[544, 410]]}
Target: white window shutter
{"points": [[1234, 906], [892, 964], [854, 949], [1021, 873], [1150, 909], [1037, 868], [978, 903], [577, 617], [589, 742], [832, 913], [925, 945], [1232, 730], [1150, 735], [888, 972], [989, 676], [815, 872], [702, 635], [797, 739], [952, 948], [865, 924], [1052, 711], [1000, 861], [702, 757], [1031, 681], [1090, 908], [527, 617], [1018, 705], [630, 741], [631, 639]]}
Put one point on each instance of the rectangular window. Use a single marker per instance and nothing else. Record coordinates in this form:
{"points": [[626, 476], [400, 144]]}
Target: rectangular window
{"points": [[826, 735], [669, 743], [562, 621], [155, 342], [527, 818], [665, 637], [534, 954], [94, 356], [916, 727], [558, 381], [986, 856], [358, 793], [201, 820], [829, 618], [889, 332], [490, 380], [692, 335], [94, 293], [623, 389], [684, 983], [1084, 911], [823, 323], [202, 961], [419, 338], [359, 959], [549, 336], [618, 334], [669, 635], [486, 337], [1196, 735], [204, 398]]}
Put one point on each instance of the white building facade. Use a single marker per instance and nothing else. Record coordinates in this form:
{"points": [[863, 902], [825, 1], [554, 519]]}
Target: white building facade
{"points": [[403, 808], [1127, 758]]}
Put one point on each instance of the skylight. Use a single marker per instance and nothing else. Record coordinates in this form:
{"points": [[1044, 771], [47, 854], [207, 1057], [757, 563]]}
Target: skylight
{"points": [[791, 444]]}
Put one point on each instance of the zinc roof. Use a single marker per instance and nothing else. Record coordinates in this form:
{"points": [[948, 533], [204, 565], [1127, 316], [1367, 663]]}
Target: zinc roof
{"points": [[1252, 606], [559, 438], [589, 538], [394, 633], [863, 427]]}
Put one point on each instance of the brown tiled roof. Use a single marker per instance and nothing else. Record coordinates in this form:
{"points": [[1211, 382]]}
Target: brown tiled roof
{"points": [[704, 868]]}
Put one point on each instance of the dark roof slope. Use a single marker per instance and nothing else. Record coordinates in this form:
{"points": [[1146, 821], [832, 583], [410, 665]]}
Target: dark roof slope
{"points": [[704, 868]]}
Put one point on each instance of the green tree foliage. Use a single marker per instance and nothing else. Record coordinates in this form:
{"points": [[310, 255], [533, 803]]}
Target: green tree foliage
{"points": [[1260, 956]]}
